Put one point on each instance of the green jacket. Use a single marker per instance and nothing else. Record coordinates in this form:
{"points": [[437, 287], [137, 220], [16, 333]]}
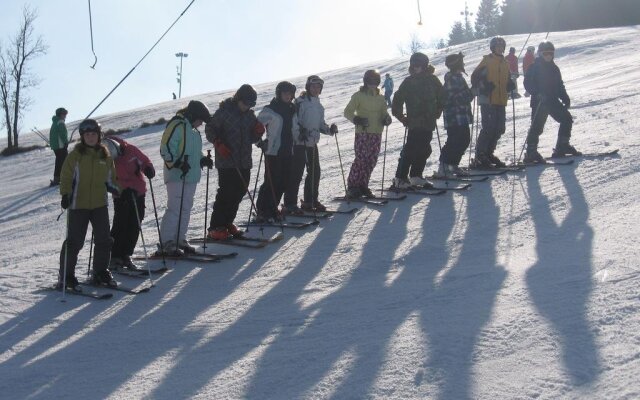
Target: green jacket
{"points": [[85, 174], [421, 94], [180, 139], [58, 137], [370, 104]]}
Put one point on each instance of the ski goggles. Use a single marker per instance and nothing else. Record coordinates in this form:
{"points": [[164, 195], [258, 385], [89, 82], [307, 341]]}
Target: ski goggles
{"points": [[314, 81]]}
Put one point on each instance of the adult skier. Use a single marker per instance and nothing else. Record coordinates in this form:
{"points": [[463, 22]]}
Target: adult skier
{"points": [[59, 142], [388, 88]]}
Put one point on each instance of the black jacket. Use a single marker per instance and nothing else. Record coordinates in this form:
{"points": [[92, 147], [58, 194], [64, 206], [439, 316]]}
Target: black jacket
{"points": [[544, 78]]}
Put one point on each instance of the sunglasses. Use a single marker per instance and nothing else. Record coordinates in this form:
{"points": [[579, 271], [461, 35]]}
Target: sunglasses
{"points": [[547, 53]]}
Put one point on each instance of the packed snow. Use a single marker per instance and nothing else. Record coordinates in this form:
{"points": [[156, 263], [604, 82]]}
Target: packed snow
{"points": [[523, 287]]}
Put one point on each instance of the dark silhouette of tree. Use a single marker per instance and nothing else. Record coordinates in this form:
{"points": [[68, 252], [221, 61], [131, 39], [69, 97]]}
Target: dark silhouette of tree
{"points": [[487, 19], [457, 34]]}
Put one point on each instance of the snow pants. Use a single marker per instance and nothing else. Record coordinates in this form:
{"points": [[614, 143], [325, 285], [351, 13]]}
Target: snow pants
{"points": [[78, 221], [493, 126], [541, 112], [61, 155], [125, 229], [276, 176], [414, 154], [367, 149], [173, 222], [458, 138], [231, 190], [303, 156]]}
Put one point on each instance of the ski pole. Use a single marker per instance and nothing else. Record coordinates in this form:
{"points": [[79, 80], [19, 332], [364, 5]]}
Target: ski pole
{"points": [[474, 115], [440, 146], [384, 159], [206, 203], [344, 182], [269, 178], [535, 116], [313, 176], [183, 177], [144, 245], [513, 104], [155, 212], [255, 189], [245, 184], [66, 259], [90, 252]]}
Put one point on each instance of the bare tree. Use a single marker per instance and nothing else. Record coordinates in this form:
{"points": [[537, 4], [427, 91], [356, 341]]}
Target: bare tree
{"points": [[15, 76], [414, 46]]}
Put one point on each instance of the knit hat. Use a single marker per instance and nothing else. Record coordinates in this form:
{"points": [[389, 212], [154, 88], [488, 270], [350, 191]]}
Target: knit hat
{"points": [[454, 61], [61, 111], [419, 60], [247, 94]]}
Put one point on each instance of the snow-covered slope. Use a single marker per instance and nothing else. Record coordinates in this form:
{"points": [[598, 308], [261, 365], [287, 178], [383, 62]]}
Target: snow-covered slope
{"points": [[525, 286]]}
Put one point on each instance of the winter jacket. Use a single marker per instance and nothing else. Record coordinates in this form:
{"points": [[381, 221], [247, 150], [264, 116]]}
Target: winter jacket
{"points": [[387, 85], [235, 129], [367, 103], [457, 98], [310, 120], [282, 127], [512, 59], [527, 61], [544, 78], [494, 69], [86, 174], [421, 94], [181, 141], [58, 137], [129, 166]]}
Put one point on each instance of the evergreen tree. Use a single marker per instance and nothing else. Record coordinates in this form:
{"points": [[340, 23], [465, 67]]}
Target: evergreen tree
{"points": [[487, 19], [441, 44], [457, 34]]}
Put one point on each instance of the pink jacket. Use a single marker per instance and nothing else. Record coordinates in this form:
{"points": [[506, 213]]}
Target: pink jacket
{"points": [[512, 59], [129, 166]]}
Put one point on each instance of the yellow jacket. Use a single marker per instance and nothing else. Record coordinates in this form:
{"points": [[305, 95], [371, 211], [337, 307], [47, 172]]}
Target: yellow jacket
{"points": [[497, 72], [367, 103]]}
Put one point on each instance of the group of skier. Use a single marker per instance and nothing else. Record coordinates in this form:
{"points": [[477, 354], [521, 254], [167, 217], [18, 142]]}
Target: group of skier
{"points": [[293, 127]]}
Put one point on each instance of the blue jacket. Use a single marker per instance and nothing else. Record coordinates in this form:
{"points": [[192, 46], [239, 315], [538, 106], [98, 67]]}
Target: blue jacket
{"points": [[181, 141]]}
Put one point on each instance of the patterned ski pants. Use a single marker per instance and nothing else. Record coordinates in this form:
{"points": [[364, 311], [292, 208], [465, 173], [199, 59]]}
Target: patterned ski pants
{"points": [[367, 149]]}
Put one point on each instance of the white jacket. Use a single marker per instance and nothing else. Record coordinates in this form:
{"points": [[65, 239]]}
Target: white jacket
{"points": [[273, 122], [311, 120]]}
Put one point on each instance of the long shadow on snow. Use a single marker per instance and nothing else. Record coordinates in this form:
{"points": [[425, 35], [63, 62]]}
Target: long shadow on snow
{"points": [[561, 290]]}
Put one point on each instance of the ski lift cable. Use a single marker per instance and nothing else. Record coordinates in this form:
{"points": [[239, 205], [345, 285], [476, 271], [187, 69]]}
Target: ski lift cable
{"points": [[419, 13], [135, 66], [555, 14], [91, 32]]}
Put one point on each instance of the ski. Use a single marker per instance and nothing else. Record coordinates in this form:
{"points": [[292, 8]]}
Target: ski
{"points": [[461, 178], [284, 224], [310, 214], [91, 295], [371, 201], [452, 186], [418, 190], [586, 155], [243, 241], [349, 211], [550, 163], [194, 257], [119, 288]]}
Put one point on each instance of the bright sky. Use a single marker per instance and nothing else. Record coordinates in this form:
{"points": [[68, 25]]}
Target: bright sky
{"points": [[229, 42]]}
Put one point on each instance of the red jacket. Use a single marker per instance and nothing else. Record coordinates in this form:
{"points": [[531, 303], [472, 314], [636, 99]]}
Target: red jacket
{"points": [[529, 58], [129, 166], [512, 59]]}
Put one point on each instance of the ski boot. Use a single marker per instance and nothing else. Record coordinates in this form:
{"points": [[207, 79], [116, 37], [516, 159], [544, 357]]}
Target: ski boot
{"points": [[103, 278]]}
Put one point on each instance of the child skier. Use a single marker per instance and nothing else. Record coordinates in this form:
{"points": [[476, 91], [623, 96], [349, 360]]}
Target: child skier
{"points": [[492, 79], [421, 94], [232, 130], [131, 164], [457, 98], [310, 113], [367, 110], [512, 59], [527, 62], [281, 122], [86, 176], [548, 97], [181, 147]]}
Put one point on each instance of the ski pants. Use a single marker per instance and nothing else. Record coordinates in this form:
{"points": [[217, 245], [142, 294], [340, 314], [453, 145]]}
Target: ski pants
{"points": [[367, 149], [541, 112], [493, 126], [174, 222], [125, 229], [458, 138], [231, 190], [276, 176], [303, 156], [78, 221], [414, 154], [61, 155]]}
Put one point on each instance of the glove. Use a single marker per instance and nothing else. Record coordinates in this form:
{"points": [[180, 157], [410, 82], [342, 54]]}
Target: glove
{"points": [[510, 86], [487, 88], [149, 171], [303, 136], [362, 121], [206, 162], [262, 145], [127, 193], [386, 121], [183, 166], [222, 149], [64, 202], [404, 120], [112, 189], [258, 129], [333, 129], [567, 102]]}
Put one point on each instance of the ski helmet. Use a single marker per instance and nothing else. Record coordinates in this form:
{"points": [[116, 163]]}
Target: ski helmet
{"points": [[454, 61], [419, 60], [61, 111], [313, 79], [89, 125], [113, 147], [531, 48], [497, 41], [247, 94], [286, 87], [371, 77], [546, 46], [196, 110]]}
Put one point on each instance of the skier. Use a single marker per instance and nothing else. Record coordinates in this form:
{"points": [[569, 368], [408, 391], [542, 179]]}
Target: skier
{"points": [[87, 174], [491, 79], [281, 122], [388, 89], [527, 61], [457, 98], [232, 130], [421, 94], [59, 142], [367, 110], [310, 113], [131, 163], [548, 97], [181, 146], [512, 59]]}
